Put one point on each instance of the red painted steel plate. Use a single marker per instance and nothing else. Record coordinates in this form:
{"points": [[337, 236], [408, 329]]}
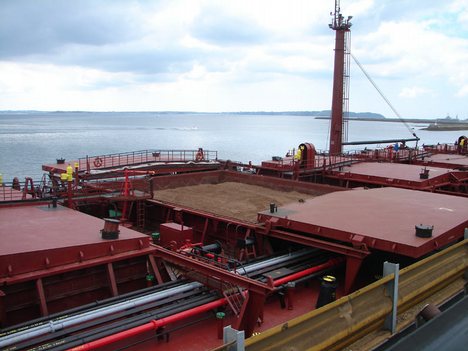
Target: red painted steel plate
{"points": [[41, 237], [9, 194], [58, 168], [455, 160], [383, 218], [394, 171]]}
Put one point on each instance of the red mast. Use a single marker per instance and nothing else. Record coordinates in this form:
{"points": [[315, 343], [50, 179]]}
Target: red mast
{"points": [[341, 26]]}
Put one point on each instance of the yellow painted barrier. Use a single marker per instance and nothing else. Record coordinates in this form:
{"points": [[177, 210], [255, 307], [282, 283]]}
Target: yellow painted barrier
{"points": [[340, 323]]}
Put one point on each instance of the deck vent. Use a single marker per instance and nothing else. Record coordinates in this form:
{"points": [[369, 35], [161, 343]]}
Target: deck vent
{"points": [[111, 229], [424, 231], [424, 173]]}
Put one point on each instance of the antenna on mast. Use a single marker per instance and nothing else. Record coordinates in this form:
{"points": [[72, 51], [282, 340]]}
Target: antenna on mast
{"points": [[338, 21], [340, 100]]}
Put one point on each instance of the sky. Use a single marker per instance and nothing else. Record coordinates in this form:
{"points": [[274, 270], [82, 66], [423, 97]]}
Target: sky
{"points": [[224, 55]]}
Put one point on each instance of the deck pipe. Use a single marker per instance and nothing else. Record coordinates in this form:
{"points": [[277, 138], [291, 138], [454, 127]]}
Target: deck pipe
{"points": [[93, 305], [53, 326], [85, 336], [333, 262], [155, 324], [96, 329]]}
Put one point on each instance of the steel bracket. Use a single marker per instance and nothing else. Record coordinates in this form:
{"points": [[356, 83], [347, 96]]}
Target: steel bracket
{"points": [[392, 292], [234, 338], [465, 275]]}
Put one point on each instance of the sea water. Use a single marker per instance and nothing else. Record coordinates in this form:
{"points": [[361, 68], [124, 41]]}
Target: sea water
{"points": [[30, 139]]}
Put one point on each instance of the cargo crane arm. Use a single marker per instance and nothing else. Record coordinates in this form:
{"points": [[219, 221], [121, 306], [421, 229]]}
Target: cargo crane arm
{"points": [[411, 130]]}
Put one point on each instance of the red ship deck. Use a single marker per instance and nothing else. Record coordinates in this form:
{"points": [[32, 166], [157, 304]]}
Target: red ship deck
{"points": [[447, 160], [393, 174], [7, 193], [39, 237], [288, 163], [203, 335], [382, 219], [145, 159], [394, 171]]}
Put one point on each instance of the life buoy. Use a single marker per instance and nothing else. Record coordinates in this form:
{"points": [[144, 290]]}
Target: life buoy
{"points": [[97, 162]]}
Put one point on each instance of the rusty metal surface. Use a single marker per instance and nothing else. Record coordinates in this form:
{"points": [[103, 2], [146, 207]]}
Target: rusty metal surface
{"points": [[338, 324], [382, 218], [40, 237]]}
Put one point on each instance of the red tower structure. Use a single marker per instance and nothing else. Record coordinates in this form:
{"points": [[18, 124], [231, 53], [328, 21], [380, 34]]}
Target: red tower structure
{"points": [[341, 26]]}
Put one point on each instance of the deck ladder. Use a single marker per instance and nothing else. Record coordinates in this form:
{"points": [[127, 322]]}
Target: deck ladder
{"points": [[234, 297], [140, 214]]}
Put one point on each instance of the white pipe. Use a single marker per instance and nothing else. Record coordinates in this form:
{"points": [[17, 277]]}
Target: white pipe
{"points": [[55, 325], [59, 324]]}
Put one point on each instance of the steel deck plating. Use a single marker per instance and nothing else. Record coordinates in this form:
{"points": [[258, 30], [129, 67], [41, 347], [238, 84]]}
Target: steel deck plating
{"points": [[382, 219], [48, 237]]}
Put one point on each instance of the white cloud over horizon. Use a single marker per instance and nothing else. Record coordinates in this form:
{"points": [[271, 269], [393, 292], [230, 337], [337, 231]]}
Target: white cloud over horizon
{"points": [[219, 56]]}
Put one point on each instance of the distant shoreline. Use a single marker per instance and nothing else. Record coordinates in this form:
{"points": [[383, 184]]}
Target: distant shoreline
{"points": [[448, 123], [322, 115], [442, 127]]}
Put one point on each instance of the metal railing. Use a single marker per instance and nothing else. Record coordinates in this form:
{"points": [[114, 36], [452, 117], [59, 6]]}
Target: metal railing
{"points": [[337, 324], [326, 162], [144, 156], [21, 190], [29, 189], [9, 193], [446, 149]]}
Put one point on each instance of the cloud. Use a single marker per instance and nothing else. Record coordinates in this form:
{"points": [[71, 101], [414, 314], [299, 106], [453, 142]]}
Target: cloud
{"points": [[228, 55], [413, 92], [463, 91], [138, 59], [219, 27], [46, 26], [460, 7]]}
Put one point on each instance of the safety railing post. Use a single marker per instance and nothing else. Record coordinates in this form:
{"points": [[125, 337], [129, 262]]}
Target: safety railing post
{"points": [[392, 291], [230, 335], [465, 274]]}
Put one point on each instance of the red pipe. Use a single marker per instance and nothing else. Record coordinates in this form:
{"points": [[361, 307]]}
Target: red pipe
{"points": [[333, 262], [153, 325]]}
